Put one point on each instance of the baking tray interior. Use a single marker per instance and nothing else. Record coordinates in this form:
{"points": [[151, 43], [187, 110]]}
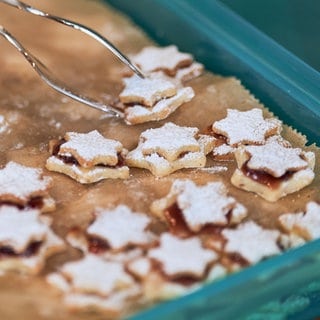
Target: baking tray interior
{"points": [[228, 45]]}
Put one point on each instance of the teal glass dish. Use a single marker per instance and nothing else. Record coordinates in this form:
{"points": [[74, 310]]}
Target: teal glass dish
{"points": [[286, 286]]}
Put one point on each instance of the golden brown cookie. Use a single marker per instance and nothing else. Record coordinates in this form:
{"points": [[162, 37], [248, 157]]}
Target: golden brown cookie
{"points": [[273, 170], [170, 148], [26, 240], [88, 157], [25, 187]]}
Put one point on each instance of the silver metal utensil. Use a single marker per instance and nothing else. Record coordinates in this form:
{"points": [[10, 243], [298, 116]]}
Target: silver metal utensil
{"points": [[47, 75]]}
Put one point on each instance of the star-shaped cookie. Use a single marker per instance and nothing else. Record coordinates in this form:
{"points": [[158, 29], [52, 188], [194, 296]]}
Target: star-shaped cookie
{"points": [[201, 205], [170, 141], [25, 187], [147, 91], [88, 157], [167, 59], [162, 109], [26, 240], [91, 148], [246, 127], [251, 241], [273, 170], [94, 275], [110, 225], [170, 148], [152, 99], [19, 228], [304, 224], [275, 159], [179, 257]]}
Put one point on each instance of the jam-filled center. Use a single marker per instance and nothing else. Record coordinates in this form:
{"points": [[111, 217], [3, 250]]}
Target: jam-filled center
{"points": [[32, 249], [264, 177], [54, 149]]}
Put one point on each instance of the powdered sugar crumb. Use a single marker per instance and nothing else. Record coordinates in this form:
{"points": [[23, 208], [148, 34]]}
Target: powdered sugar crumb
{"points": [[213, 170]]}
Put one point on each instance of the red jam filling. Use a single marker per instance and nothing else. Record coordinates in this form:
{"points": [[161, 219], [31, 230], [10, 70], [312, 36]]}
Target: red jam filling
{"points": [[265, 178], [34, 203], [185, 280], [179, 227], [54, 148], [97, 245], [210, 132], [238, 259], [31, 250], [176, 221]]}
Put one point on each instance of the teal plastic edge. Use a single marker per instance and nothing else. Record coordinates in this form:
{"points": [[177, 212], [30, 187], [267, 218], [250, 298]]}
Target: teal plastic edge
{"points": [[228, 45], [239, 294]]}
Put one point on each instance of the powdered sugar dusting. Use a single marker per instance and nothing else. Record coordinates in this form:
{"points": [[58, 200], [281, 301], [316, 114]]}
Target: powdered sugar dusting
{"points": [[19, 228], [190, 72], [251, 241], [275, 159], [21, 182], [213, 170], [91, 148], [110, 225], [305, 224], [168, 59], [170, 148], [222, 150], [202, 205], [173, 254], [246, 127], [170, 141], [161, 110], [146, 91], [94, 275]]}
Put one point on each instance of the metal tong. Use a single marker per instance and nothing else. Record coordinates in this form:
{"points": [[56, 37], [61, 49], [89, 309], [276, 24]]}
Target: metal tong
{"points": [[47, 75]]}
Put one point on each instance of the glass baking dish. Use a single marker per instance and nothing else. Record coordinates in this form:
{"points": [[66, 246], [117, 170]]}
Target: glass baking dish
{"points": [[286, 286]]}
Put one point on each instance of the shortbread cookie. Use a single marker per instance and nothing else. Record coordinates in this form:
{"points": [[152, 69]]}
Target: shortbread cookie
{"points": [[106, 232], [161, 110], [273, 170], [147, 91], [152, 99], [95, 283], [251, 242], [25, 187], [174, 259], [199, 206], [170, 148], [303, 224], [245, 127], [26, 240], [88, 157], [168, 60]]}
